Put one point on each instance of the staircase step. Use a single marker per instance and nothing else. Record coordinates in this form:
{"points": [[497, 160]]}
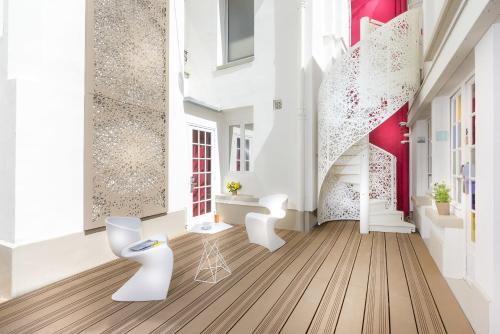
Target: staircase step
{"points": [[354, 150], [354, 179], [386, 216], [377, 205], [395, 227], [347, 160], [346, 170]]}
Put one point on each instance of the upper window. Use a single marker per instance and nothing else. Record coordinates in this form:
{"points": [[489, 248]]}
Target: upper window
{"points": [[240, 24]]}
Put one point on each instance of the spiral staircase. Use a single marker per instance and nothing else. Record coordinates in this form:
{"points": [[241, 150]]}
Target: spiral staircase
{"points": [[362, 89]]}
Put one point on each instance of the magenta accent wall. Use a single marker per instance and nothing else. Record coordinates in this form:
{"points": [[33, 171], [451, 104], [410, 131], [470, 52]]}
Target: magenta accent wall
{"points": [[389, 134]]}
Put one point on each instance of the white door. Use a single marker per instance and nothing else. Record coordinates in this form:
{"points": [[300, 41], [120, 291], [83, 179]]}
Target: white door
{"points": [[201, 152]]}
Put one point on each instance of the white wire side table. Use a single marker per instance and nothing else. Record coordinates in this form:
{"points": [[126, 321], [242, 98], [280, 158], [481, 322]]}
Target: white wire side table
{"points": [[212, 267]]}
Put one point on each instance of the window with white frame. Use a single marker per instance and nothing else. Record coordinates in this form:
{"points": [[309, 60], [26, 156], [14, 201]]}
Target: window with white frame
{"points": [[239, 29], [241, 138], [456, 148]]}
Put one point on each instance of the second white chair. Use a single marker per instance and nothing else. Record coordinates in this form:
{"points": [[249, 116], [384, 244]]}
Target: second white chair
{"points": [[260, 227]]}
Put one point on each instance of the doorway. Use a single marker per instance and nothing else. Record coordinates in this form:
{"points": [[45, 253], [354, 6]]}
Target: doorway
{"points": [[201, 153]]}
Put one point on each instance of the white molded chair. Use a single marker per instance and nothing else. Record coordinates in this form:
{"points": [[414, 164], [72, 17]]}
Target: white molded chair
{"points": [[122, 231], [260, 227], [152, 280]]}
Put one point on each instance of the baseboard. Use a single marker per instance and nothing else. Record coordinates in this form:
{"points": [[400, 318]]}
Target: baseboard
{"points": [[473, 303], [35, 265], [5, 272], [295, 220]]}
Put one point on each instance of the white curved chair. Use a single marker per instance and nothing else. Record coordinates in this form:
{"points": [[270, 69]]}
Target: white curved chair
{"points": [[260, 227], [122, 231], [152, 280]]}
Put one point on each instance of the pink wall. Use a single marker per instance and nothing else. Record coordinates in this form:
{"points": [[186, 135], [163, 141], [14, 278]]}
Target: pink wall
{"points": [[389, 134]]}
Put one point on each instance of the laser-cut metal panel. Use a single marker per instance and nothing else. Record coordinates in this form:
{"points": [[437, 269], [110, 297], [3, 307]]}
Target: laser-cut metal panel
{"points": [[383, 176], [126, 109]]}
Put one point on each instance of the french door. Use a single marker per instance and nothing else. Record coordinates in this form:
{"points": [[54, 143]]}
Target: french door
{"points": [[201, 154]]}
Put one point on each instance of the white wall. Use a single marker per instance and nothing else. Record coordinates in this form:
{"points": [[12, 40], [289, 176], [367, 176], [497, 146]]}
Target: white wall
{"points": [[484, 64], [7, 135], [42, 87], [418, 158], [42, 59], [431, 12], [46, 59], [441, 139], [272, 74], [487, 62]]}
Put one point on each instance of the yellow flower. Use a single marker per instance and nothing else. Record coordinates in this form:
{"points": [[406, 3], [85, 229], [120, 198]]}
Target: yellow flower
{"points": [[233, 186]]}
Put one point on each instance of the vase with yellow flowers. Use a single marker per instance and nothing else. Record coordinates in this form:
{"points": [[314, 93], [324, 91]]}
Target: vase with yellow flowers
{"points": [[233, 187]]}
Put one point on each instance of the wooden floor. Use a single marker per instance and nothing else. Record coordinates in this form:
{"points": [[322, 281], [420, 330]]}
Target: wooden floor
{"points": [[330, 280]]}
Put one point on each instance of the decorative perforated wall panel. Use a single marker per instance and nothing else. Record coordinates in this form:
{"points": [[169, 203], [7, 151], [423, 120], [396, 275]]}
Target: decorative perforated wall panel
{"points": [[372, 81], [126, 109], [383, 176]]}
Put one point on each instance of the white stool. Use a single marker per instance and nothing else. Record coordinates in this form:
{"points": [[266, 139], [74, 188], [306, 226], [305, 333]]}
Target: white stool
{"points": [[152, 280], [260, 227], [211, 262]]}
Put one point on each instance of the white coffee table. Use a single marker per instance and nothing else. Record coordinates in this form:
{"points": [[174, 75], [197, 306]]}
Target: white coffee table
{"points": [[211, 260]]}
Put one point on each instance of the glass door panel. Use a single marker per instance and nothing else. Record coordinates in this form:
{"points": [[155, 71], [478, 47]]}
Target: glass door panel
{"points": [[201, 175]]}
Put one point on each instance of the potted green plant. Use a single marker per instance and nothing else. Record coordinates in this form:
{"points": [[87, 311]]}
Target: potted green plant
{"points": [[441, 194], [233, 187]]}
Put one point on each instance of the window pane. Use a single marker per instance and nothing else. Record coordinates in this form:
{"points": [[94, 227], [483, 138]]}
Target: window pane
{"points": [[240, 29], [234, 138], [208, 153], [249, 134], [202, 208], [202, 151], [195, 136]]}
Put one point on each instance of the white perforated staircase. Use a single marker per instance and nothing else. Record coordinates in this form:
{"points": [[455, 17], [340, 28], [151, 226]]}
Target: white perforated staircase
{"points": [[372, 81]]}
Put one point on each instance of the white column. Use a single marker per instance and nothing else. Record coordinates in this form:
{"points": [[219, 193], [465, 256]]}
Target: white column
{"points": [[364, 186], [487, 264], [364, 189], [301, 114]]}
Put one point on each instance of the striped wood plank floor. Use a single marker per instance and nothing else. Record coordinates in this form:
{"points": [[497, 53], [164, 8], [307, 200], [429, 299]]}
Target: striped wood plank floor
{"points": [[330, 280]]}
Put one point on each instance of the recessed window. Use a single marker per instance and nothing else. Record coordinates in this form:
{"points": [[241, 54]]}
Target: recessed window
{"points": [[241, 144], [240, 29]]}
